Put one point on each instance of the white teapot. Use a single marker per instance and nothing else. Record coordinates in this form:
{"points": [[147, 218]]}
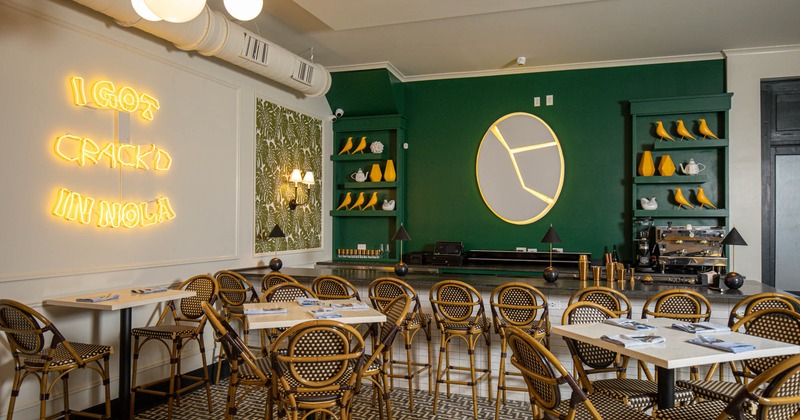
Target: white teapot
{"points": [[359, 176], [692, 168]]}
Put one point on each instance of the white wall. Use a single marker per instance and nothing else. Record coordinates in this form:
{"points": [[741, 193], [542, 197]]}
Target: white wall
{"points": [[746, 69], [206, 121]]}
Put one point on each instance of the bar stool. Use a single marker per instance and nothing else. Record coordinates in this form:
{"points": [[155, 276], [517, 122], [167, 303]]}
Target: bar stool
{"points": [[382, 291], [523, 306], [459, 312], [188, 325], [611, 299], [234, 292], [39, 350]]}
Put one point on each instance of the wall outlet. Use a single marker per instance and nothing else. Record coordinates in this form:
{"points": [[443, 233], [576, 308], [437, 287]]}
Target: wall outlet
{"points": [[361, 246], [558, 249], [533, 250], [537, 101], [549, 100], [554, 305], [521, 249]]}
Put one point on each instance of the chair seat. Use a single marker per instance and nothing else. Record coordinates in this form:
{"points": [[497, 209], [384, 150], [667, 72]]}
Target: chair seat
{"points": [[87, 352], [170, 332], [477, 327], [536, 332], [246, 372], [706, 410], [608, 408], [237, 310], [712, 390], [638, 393]]}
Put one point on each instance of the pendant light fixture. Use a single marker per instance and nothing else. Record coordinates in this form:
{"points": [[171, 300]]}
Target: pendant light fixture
{"points": [[176, 11], [244, 9], [144, 11]]}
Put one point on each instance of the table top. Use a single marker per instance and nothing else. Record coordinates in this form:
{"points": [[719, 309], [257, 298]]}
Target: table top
{"points": [[675, 352], [127, 299], [296, 314]]}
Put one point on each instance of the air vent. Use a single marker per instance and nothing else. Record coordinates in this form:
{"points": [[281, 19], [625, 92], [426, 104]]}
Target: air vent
{"points": [[304, 73], [255, 50]]}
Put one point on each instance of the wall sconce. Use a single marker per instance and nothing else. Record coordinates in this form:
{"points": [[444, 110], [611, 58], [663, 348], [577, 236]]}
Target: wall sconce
{"points": [[307, 179]]}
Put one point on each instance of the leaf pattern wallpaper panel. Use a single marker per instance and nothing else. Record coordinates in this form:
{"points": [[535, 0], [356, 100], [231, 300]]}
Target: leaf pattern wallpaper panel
{"points": [[285, 140]]}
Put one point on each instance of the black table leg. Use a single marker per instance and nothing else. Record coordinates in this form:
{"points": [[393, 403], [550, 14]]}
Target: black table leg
{"points": [[125, 364], [666, 387]]}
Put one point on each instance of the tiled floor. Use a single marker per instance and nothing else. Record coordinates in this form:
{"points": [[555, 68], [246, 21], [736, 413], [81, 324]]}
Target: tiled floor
{"points": [[457, 407]]}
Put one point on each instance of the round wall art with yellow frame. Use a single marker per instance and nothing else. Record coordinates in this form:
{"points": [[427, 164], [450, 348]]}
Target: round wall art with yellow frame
{"points": [[520, 168]]}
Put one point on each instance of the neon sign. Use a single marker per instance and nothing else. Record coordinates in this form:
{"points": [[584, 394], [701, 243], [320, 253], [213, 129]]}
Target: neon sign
{"points": [[75, 207]]}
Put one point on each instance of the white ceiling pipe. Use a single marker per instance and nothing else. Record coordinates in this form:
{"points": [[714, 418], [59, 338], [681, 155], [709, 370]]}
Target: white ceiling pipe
{"points": [[212, 34]]}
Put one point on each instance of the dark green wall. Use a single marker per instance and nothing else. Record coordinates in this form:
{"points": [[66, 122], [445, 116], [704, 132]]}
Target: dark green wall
{"points": [[448, 118]]}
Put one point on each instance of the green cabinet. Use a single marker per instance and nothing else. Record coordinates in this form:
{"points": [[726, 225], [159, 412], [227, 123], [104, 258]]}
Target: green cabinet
{"points": [[712, 153], [371, 229]]}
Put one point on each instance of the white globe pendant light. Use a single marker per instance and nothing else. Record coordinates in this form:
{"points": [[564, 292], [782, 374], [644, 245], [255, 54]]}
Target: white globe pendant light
{"points": [[144, 11], [176, 11], [244, 9]]}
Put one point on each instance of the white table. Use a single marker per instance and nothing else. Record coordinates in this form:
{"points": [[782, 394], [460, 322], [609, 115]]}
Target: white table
{"points": [[675, 352], [296, 314], [126, 301]]}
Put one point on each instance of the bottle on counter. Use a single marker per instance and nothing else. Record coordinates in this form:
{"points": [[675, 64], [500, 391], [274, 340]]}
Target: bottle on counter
{"points": [[614, 255]]}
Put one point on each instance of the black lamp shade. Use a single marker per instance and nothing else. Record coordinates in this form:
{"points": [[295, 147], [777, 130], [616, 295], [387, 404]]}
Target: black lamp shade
{"points": [[734, 238], [401, 235], [551, 236], [276, 232]]}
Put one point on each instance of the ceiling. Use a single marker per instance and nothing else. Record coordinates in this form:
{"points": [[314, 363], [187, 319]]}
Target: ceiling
{"points": [[423, 39]]}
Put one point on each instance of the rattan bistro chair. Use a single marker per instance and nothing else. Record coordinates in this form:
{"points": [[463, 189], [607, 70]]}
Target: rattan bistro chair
{"points": [[776, 324], [247, 371], [40, 350], [281, 292], [188, 325], [775, 393], [319, 370], [459, 313], [761, 301], [609, 298], [382, 291], [329, 287], [523, 306], [589, 359], [234, 292], [376, 369], [275, 278], [544, 374]]}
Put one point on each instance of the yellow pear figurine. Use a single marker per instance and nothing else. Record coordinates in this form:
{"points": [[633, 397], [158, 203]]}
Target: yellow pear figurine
{"points": [[361, 145], [681, 200], [662, 132], [372, 201], [359, 201], [347, 199], [704, 130], [683, 132], [347, 146], [389, 175], [665, 166], [375, 174], [646, 165], [702, 199]]}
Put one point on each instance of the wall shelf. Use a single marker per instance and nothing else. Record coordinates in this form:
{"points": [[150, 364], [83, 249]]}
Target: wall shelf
{"points": [[368, 185], [363, 213], [682, 213], [690, 144], [675, 179], [361, 156]]}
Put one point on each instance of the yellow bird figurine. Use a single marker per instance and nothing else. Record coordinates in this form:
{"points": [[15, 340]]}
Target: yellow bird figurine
{"points": [[704, 130], [359, 201], [347, 146], [702, 199], [662, 132], [681, 200], [345, 202], [682, 131], [372, 201], [361, 146]]}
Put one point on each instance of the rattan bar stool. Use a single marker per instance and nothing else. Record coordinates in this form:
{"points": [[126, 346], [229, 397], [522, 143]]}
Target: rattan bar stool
{"points": [[382, 291], [234, 292], [188, 326], [275, 278], [329, 287], [40, 350], [247, 371], [544, 374], [525, 307], [459, 312]]}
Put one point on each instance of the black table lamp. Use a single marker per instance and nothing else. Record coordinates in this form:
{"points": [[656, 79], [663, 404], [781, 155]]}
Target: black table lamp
{"points": [[551, 274], [401, 269], [275, 264], [733, 280]]}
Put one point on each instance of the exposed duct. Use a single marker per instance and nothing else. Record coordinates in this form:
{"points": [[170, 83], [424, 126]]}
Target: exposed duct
{"points": [[212, 34]]}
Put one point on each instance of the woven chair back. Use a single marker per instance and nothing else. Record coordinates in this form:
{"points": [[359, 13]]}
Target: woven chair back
{"points": [[781, 397], [24, 327], [761, 301], [205, 288], [274, 279], [585, 312], [609, 298], [287, 292], [775, 324], [233, 289], [519, 304], [678, 304], [233, 346], [455, 302], [333, 287]]}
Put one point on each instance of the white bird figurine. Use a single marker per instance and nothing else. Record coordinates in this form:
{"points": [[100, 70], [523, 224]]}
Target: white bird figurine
{"points": [[650, 204], [388, 205]]}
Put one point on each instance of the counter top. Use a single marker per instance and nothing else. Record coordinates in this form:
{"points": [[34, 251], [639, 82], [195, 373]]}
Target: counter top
{"points": [[482, 282]]}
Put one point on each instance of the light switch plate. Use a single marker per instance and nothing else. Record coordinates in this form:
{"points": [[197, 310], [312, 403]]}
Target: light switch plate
{"points": [[549, 100]]}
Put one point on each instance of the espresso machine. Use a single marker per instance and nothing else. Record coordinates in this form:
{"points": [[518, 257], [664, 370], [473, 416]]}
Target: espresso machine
{"points": [[689, 249], [642, 228]]}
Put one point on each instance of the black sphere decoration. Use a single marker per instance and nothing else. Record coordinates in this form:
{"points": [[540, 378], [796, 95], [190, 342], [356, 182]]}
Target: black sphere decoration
{"points": [[734, 280], [275, 264], [401, 269], [550, 274]]}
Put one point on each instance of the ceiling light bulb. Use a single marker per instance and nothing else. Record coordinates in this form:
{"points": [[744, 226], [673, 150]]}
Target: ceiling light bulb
{"points": [[144, 11], [176, 11], [244, 9]]}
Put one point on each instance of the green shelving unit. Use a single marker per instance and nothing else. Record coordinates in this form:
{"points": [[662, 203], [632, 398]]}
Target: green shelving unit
{"points": [[371, 228]]}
